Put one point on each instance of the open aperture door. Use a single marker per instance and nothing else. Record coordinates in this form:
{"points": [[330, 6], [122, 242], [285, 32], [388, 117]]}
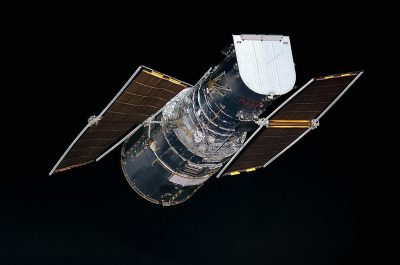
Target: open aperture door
{"points": [[143, 95], [293, 119]]}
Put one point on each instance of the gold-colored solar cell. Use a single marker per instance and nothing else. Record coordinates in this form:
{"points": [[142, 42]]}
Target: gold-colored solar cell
{"points": [[292, 121], [146, 93]]}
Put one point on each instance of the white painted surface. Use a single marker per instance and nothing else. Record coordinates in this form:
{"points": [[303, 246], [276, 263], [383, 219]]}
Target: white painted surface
{"points": [[265, 63], [177, 179]]}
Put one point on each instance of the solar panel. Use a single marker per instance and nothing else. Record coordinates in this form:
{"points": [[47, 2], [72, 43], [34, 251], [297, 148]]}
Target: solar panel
{"points": [[144, 94], [286, 125]]}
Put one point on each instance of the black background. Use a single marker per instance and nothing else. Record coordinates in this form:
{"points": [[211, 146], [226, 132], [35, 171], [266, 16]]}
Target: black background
{"points": [[316, 204]]}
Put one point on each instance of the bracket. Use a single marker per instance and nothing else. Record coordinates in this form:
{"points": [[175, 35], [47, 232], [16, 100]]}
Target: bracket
{"points": [[262, 122], [314, 124], [94, 120]]}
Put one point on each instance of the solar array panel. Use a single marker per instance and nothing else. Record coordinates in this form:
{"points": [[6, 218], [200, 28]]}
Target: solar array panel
{"points": [[311, 101], [290, 122], [145, 93]]}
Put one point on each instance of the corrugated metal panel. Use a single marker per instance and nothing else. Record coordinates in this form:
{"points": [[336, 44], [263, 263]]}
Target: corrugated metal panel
{"points": [[265, 63], [145, 93]]}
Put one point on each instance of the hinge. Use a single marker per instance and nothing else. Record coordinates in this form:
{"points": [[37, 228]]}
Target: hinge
{"points": [[94, 120], [314, 124], [262, 122]]}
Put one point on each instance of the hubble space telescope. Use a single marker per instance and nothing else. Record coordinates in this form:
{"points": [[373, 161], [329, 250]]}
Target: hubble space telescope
{"points": [[175, 135]]}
